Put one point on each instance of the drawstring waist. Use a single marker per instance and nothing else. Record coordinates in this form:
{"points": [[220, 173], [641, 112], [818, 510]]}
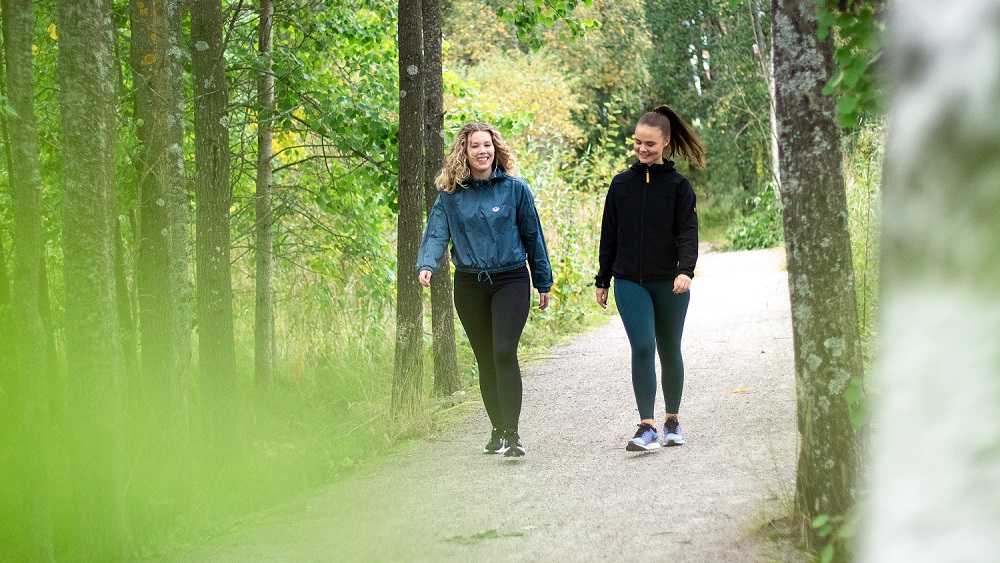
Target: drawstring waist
{"points": [[492, 277]]}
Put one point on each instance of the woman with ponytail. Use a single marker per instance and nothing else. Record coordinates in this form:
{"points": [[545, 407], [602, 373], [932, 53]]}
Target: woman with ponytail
{"points": [[649, 245], [488, 216]]}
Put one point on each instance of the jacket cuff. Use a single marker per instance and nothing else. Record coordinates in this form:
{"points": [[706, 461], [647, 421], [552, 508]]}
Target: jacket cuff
{"points": [[602, 282], [543, 289]]}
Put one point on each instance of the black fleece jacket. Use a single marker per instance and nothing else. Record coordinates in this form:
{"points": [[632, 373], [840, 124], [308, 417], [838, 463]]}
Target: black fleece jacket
{"points": [[650, 226]]}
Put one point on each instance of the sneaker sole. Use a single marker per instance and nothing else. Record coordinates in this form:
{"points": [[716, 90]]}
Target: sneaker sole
{"points": [[489, 451], [513, 452], [670, 443], [633, 447]]}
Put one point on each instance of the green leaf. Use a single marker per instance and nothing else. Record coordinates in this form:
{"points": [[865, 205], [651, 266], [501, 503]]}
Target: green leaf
{"points": [[845, 19], [826, 20], [848, 104], [820, 520], [831, 86], [848, 119], [855, 71], [827, 555], [848, 530]]}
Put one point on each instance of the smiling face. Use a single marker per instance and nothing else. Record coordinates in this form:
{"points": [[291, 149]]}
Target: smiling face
{"points": [[649, 144], [479, 152]]}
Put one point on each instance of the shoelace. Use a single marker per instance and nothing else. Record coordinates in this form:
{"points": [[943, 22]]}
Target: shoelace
{"points": [[672, 425], [643, 428]]}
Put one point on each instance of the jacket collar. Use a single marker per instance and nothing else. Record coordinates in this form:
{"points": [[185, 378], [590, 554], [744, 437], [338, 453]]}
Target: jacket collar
{"points": [[667, 166], [498, 174]]}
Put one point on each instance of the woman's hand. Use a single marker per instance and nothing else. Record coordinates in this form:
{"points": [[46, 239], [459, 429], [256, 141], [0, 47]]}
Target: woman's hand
{"points": [[602, 297], [682, 283], [543, 301], [425, 278]]}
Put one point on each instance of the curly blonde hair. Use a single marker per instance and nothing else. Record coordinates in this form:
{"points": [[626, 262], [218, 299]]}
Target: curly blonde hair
{"points": [[456, 164]]}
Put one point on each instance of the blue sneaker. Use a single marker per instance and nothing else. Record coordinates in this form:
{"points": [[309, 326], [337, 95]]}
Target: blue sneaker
{"points": [[645, 439], [672, 432]]}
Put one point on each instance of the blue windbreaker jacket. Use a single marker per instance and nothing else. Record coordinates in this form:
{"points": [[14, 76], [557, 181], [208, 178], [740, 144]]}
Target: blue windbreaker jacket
{"points": [[492, 225]]}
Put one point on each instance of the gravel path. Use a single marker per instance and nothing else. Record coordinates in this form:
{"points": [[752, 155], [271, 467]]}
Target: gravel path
{"points": [[578, 495]]}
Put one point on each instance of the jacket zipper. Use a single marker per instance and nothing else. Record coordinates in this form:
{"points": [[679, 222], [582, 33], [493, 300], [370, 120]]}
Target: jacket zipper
{"points": [[642, 221]]}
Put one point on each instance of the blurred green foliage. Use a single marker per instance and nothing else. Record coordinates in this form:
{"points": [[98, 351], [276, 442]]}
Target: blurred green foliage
{"points": [[859, 32], [762, 228], [564, 81]]}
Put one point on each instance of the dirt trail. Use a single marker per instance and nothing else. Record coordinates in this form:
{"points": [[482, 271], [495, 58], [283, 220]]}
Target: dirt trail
{"points": [[578, 495]]}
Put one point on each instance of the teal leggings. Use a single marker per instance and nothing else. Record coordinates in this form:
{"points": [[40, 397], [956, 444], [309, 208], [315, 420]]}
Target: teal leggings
{"points": [[653, 316]]}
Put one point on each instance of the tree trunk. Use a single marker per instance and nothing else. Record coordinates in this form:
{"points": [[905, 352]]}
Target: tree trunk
{"points": [[407, 388], [164, 287], [10, 469], [86, 69], [123, 298], [32, 537], [936, 446], [159, 309], [264, 253], [7, 353], [213, 195], [817, 241], [767, 70], [178, 206], [446, 377], [164, 294]]}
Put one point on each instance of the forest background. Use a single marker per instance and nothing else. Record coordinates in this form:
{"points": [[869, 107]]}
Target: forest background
{"points": [[182, 451]]}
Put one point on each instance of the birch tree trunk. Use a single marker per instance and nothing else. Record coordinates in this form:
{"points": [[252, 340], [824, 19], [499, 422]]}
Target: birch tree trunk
{"points": [[86, 67], [407, 385], [32, 532], [936, 441], [767, 71], [264, 252], [213, 195], [820, 273], [446, 377]]}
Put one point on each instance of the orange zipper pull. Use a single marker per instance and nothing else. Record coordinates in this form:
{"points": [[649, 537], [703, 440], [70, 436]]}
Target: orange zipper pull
{"points": [[647, 175]]}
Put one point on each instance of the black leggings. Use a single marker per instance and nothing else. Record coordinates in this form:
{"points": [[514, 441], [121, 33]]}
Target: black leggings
{"points": [[493, 309]]}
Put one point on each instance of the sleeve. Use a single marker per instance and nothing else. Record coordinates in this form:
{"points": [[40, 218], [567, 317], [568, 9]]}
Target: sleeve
{"points": [[533, 239], [609, 241], [686, 229], [436, 237]]}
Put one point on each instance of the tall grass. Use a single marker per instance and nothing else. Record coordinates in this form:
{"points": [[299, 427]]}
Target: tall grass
{"points": [[863, 158]]}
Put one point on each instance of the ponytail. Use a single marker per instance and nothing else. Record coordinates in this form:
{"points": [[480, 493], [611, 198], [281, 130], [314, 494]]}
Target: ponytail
{"points": [[683, 139]]}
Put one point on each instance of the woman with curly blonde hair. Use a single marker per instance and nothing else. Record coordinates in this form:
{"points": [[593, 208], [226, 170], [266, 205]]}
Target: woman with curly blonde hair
{"points": [[488, 216], [456, 164]]}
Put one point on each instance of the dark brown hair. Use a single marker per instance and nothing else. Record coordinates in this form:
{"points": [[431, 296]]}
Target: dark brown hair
{"points": [[683, 139]]}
